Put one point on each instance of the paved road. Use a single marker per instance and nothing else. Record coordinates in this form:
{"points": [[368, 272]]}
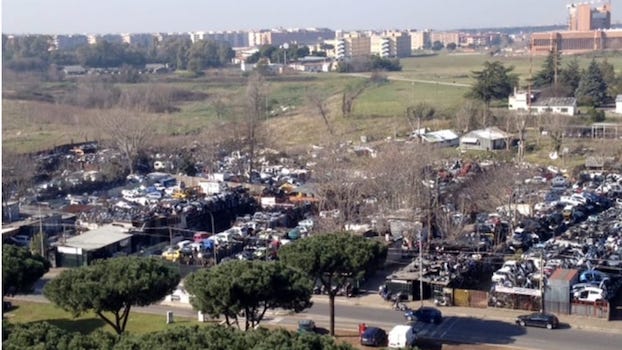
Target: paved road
{"points": [[453, 328], [399, 78], [472, 329]]}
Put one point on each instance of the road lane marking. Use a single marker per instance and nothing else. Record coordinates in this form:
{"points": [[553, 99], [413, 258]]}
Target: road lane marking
{"points": [[449, 327]]}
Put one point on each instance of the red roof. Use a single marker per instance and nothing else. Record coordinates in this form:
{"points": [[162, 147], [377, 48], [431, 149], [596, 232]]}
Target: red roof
{"points": [[564, 274]]}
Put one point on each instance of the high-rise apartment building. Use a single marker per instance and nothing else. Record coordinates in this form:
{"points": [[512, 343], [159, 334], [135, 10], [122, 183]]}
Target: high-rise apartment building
{"points": [[277, 37], [588, 31], [445, 37], [419, 40], [583, 17]]}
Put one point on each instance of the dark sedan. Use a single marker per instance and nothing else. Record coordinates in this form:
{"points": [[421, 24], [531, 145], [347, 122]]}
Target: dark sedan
{"points": [[374, 336], [538, 320], [425, 314]]}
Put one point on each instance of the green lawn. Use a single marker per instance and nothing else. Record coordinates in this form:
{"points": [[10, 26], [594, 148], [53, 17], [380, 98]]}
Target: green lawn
{"points": [[138, 323]]}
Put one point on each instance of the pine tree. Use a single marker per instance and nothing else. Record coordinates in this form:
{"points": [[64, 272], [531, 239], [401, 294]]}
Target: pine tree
{"points": [[571, 75], [546, 76], [592, 89]]}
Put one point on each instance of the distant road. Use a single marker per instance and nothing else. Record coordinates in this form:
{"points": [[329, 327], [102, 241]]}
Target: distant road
{"points": [[397, 78]]}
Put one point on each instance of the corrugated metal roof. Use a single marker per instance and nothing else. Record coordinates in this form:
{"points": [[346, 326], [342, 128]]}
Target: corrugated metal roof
{"points": [[492, 133], [98, 238], [564, 274], [555, 101]]}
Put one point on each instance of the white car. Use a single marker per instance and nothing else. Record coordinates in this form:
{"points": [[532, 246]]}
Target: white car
{"points": [[500, 276], [590, 294]]}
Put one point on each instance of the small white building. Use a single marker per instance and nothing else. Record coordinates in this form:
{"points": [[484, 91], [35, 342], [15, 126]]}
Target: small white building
{"points": [[520, 101], [619, 104], [556, 105], [441, 138]]}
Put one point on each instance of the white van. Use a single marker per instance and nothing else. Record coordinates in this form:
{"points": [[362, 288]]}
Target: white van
{"points": [[401, 336]]}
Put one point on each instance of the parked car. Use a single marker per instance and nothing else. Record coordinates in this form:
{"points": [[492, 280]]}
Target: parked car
{"points": [[593, 276], [500, 276], [425, 314], [374, 336], [19, 240], [590, 294], [559, 181], [538, 319], [306, 326], [171, 254], [402, 336]]}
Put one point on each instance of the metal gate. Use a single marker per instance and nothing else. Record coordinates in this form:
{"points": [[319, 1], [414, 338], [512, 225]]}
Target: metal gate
{"points": [[470, 298]]}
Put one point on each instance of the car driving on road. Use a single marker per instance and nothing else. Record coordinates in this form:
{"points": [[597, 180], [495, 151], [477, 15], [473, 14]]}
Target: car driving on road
{"points": [[425, 314], [538, 319]]}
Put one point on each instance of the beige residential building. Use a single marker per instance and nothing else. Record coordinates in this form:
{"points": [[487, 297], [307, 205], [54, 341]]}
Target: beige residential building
{"points": [[419, 40], [356, 44], [391, 44], [445, 37]]}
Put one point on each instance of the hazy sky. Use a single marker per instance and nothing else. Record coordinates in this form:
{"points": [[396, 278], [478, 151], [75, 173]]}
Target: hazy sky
{"points": [[121, 16]]}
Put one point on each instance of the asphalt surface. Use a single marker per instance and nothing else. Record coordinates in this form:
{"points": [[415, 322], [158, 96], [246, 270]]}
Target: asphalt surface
{"points": [[462, 325], [454, 328]]}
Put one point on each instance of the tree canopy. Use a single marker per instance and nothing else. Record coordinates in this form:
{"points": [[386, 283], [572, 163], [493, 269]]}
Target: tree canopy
{"points": [[113, 285], [494, 82], [592, 89], [546, 76], [571, 75], [334, 259], [248, 287], [21, 269], [44, 336]]}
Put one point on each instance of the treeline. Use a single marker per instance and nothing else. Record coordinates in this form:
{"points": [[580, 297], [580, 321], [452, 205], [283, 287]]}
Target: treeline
{"points": [[282, 54], [367, 64], [595, 86], [42, 335], [31, 53]]}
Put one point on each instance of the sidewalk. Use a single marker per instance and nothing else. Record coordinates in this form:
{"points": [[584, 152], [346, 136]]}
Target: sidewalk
{"points": [[576, 322]]}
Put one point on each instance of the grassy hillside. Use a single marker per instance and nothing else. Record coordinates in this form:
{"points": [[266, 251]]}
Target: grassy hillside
{"points": [[379, 111]]}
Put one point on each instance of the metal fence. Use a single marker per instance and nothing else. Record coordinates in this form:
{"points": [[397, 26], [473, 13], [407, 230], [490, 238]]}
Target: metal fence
{"points": [[599, 309], [470, 298]]}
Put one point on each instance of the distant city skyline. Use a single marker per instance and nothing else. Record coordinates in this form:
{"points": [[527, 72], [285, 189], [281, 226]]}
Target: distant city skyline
{"points": [[147, 16]]}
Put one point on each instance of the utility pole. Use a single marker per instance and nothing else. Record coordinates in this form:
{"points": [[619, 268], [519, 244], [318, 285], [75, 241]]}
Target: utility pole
{"points": [[542, 281], [41, 231], [214, 240], [421, 267]]}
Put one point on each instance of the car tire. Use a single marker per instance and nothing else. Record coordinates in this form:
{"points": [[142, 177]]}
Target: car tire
{"points": [[549, 326], [522, 323]]}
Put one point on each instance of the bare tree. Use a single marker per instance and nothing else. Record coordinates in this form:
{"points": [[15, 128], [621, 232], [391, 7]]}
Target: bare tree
{"points": [[128, 132], [419, 112], [319, 100], [17, 176], [256, 96], [521, 121], [555, 126], [466, 116], [349, 96], [340, 183]]}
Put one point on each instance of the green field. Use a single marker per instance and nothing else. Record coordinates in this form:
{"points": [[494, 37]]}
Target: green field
{"points": [[137, 323], [379, 112]]}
